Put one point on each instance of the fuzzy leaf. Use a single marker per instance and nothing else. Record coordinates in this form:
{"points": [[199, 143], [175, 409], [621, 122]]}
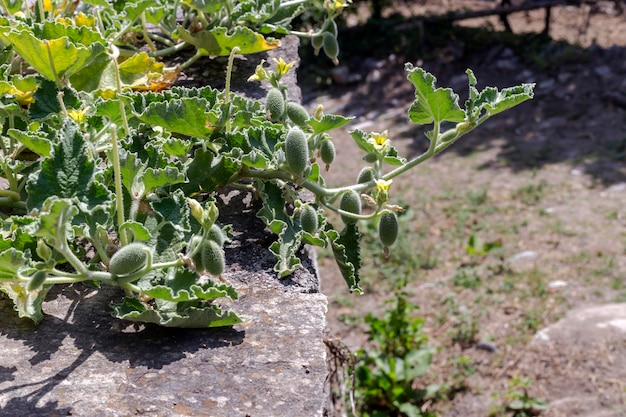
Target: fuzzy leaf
{"points": [[218, 42], [432, 105], [183, 286], [347, 253], [328, 122], [68, 173], [27, 303], [38, 142], [53, 49], [46, 102], [289, 237], [187, 116], [191, 317]]}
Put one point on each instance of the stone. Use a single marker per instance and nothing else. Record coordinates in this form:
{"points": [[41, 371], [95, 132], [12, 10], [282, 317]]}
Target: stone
{"points": [[523, 261]]}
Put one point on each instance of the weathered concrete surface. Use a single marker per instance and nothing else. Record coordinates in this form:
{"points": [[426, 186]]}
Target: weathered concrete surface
{"points": [[81, 362], [584, 355]]}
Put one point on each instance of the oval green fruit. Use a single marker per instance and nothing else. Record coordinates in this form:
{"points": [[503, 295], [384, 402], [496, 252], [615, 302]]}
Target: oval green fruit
{"points": [[297, 113], [212, 257], [367, 174], [317, 41], [275, 104], [388, 228], [36, 280], [308, 219], [327, 152], [130, 258], [216, 234], [331, 47], [296, 150], [350, 202]]}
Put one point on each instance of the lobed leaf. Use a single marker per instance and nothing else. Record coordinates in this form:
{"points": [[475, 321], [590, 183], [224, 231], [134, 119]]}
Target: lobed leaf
{"points": [[219, 41], [432, 105]]}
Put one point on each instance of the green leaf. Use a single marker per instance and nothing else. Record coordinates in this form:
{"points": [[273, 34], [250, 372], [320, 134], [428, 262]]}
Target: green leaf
{"points": [[174, 210], [139, 231], [289, 239], [46, 102], [432, 105], [328, 122], [187, 116], [38, 142], [27, 303], [68, 173], [53, 49], [11, 260], [161, 177], [360, 138], [191, 317], [219, 42], [54, 221], [184, 286], [345, 246], [208, 172]]}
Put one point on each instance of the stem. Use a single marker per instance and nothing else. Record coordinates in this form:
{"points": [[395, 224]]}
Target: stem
{"points": [[349, 214], [60, 244], [191, 60], [229, 70], [169, 51], [117, 173], [10, 202], [10, 194], [41, 9], [118, 82], [145, 32], [51, 62], [6, 9], [161, 39], [62, 104]]}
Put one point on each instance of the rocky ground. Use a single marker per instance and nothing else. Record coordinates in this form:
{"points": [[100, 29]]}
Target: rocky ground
{"points": [[546, 181]]}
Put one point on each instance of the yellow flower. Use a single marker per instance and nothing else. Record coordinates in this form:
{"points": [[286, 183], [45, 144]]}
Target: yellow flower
{"points": [[82, 19], [380, 141], [23, 97], [383, 185], [282, 67], [77, 115], [259, 73]]}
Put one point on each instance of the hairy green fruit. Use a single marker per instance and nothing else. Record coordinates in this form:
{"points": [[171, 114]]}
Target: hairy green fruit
{"points": [[317, 41], [327, 152], [331, 47], [297, 113], [388, 228], [275, 104], [36, 280], [367, 174], [370, 157], [212, 258], [296, 150], [129, 259], [308, 219], [330, 26], [350, 202], [216, 235]]}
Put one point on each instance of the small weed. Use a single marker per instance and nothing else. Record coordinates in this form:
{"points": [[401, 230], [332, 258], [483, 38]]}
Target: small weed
{"points": [[531, 194], [388, 373], [517, 401], [466, 277]]}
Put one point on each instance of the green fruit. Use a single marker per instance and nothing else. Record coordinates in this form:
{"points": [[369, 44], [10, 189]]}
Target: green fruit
{"points": [[370, 157], [330, 26], [327, 152], [37, 280], [212, 258], [275, 104], [367, 174], [308, 219], [297, 113], [129, 259], [331, 47], [317, 41], [296, 150], [216, 235], [350, 202], [388, 228]]}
